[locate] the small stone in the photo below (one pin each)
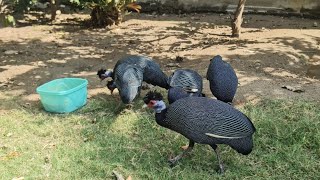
(37, 77)
(206, 42)
(173, 65)
(41, 64)
(195, 18)
(3, 85)
(58, 12)
(9, 134)
(11, 52)
(315, 24)
(21, 84)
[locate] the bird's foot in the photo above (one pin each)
(129, 106)
(172, 162)
(184, 147)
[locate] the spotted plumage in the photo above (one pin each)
(223, 79)
(152, 72)
(205, 121)
(184, 83)
(128, 79)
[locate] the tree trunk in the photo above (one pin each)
(54, 7)
(237, 21)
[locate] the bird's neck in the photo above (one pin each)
(108, 73)
(161, 117)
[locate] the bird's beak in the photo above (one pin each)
(144, 106)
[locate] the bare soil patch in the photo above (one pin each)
(272, 52)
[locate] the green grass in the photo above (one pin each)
(94, 141)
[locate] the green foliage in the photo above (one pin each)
(104, 12)
(109, 12)
(5, 18)
(99, 138)
(77, 2)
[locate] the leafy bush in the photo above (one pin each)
(5, 18)
(110, 12)
(103, 12)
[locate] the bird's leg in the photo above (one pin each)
(221, 168)
(129, 106)
(184, 147)
(174, 160)
(139, 92)
(118, 108)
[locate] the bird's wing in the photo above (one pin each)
(133, 76)
(154, 75)
(231, 125)
(185, 79)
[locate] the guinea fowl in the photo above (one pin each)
(152, 72)
(223, 80)
(205, 121)
(184, 83)
(128, 79)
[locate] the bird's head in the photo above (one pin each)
(103, 73)
(154, 100)
(111, 86)
(176, 93)
(216, 57)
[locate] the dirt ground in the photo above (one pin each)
(272, 52)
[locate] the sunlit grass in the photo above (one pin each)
(99, 138)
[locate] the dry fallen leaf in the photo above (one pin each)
(118, 175)
(10, 155)
(296, 89)
(18, 178)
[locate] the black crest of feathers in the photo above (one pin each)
(100, 72)
(110, 83)
(152, 95)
